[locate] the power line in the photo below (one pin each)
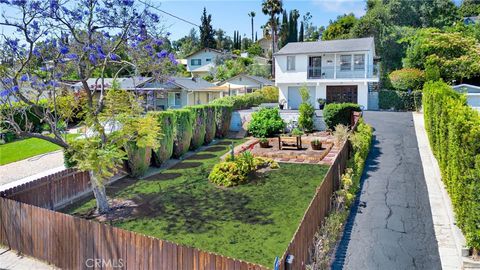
(170, 14)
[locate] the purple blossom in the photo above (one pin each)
(114, 57)
(64, 49)
(93, 58)
(72, 56)
(162, 54)
(128, 3)
(158, 42)
(15, 88)
(36, 52)
(171, 56)
(24, 78)
(4, 93)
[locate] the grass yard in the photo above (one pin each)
(253, 222)
(22, 149)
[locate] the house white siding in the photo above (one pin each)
(202, 61)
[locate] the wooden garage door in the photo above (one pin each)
(342, 93)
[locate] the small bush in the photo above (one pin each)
(166, 120)
(267, 94)
(199, 126)
(407, 79)
(400, 101)
(305, 120)
(340, 134)
(183, 131)
(67, 158)
(223, 116)
(210, 123)
(138, 159)
(266, 123)
(339, 113)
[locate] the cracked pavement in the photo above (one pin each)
(390, 226)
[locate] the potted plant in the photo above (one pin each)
(316, 144)
(321, 103)
(282, 103)
(264, 143)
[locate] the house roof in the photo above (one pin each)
(204, 49)
(469, 88)
(191, 83)
(258, 79)
(125, 83)
(328, 46)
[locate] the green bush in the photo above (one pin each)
(361, 141)
(454, 132)
(210, 123)
(407, 79)
(266, 123)
(67, 158)
(399, 100)
(223, 116)
(339, 113)
(183, 131)
(305, 120)
(138, 159)
(199, 126)
(267, 94)
(166, 120)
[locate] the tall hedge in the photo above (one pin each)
(199, 128)
(454, 132)
(138, 159)
(339, 113)
(210, 124)
(246, 101)
(183, 131)
(166, 120)
(223, 117)
(399, 100)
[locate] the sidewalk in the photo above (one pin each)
(33, 167)
(448, 235)
(9, 259)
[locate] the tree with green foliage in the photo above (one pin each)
(301, 33)
(438, 13)
(187, 44)
(306, 110)
(407, 79)
(340, 28)
(252, 14)
(207, 35)
(470, 8)
(272, 8)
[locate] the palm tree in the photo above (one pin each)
(272, 8)
(252, 14)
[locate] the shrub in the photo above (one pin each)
(361, 141)
(199, 127)
(267, 94)
(266, 123)
(454, 132)
(340, 134)
(400, 101)
(67, 158)
(339, 113)
(166, 120)
(305, 120)
(270, 93)
(210, 123)
(138, 159)
(183, 131)
(407, 79)
(223, 116)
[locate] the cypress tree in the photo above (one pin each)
(300, 35)
(207, 35)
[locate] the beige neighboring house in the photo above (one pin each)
(244, 83)
(266, 45)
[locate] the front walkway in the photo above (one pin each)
(391, 225)
(9, 259)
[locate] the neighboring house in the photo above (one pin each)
(336, 70)
(201, 62)
(266, 45)
(244, 83)
(471, 20)
(472, 92)
(176, 92)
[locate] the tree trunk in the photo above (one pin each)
(100, 194)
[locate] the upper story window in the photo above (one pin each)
(208, 60)
(196, 62)
(345, 62)
(359, 62)
(290, 62)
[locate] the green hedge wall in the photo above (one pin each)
(454, 132)
(199, 126)
(223, 116)
(249, 100)
(183, 131)
(138, 159)
(399, 100)
(339, 113)
(166, 120)
(210, 125)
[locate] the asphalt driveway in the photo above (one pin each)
(390, 226)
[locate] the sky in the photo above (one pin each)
(231, 15)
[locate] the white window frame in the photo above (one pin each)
(290, 62)
(193, 62)
(172, 98)
(361, 65)
(342, 63)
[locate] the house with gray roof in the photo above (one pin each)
(244, 83)
(161, 94)
(334, 70)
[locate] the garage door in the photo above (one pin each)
(342, 93)
(294, 98)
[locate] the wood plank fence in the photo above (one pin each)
(68, 242)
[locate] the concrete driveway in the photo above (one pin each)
(390, 226)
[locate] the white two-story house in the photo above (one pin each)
(335, 70)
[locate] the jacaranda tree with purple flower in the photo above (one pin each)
(86, 38)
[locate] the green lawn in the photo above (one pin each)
(254, 222)
(22, 149)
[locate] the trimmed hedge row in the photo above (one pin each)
(210, 124)
(199, 126)
(339, 113)
(183, 131)
(249, 100)
(454, 132)
(167, 122)
(399, 100)
(223, 116)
